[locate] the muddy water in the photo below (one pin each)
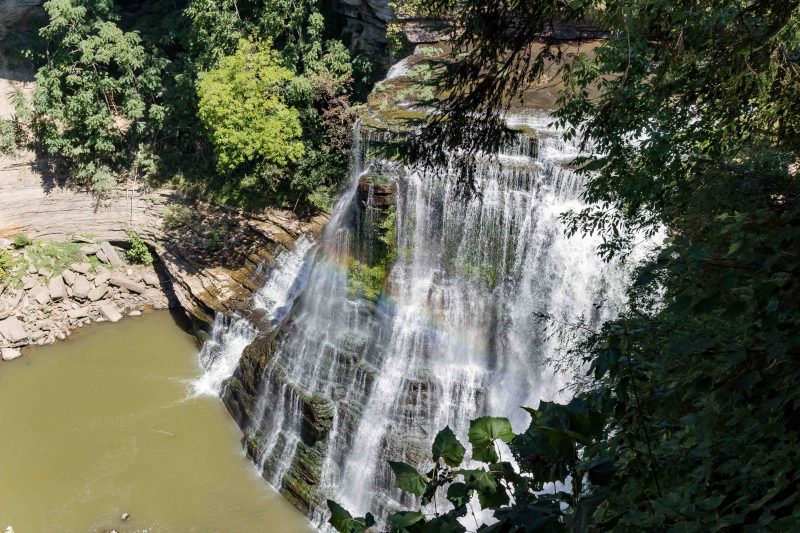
(103, 425)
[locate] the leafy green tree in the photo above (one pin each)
(96, 95)
(690, 109)
(243, 105)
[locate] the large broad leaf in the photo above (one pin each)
(447, 446)
(408, 479)
(459, 494)
(480, 480)
(443, 524)
(343, 522)
(482, 434)
(400, 521)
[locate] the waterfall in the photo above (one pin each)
(229, 336)
(355, 379)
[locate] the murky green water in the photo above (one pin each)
(102, 425)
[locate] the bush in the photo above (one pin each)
(177, 216)
(21, 240)
(5, 264)
(138, 252)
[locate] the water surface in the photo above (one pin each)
(102, 425)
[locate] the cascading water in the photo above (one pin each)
(354, 379)
(229, 337)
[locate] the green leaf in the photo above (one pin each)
(459, 494)
(408, 479)
(402, 520)
(480, 480)
(448, 447)
(482, 434)
(343, 522)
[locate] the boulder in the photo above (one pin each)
(12, 330)
(41, 294)
(90, 249)
(31, 269)
(28, 282)
(110, 312)
(81, 312)
(98, 292)
(56, 288)
(9, 354)
(151, 278)
(102, 278)
(5, 244)
(46, 273)
(81, 288)
(101, 255)
(82, 268)
(121, 281)
(68, 276)
(112, 257)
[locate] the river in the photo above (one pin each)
(105, 424)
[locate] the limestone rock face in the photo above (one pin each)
(365, 24)
(13, 12)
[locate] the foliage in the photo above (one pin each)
(54, 256)
(548, 454)
(119, 94)
(691, 111)
(178, 216)
(21, 240)
(6, 262)
(365, 281)
(242, 104)
(138, 252)
(95, 95)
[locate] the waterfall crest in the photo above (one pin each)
(420, 310)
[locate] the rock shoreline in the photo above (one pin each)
(39, 306)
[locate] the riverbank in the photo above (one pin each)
(52, 288)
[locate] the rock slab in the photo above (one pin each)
(12, 330)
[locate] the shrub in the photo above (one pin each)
(138, 252)
(21, 240)
(5, 264)
(177, 216)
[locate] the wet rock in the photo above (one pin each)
(110, 312)
(12, 330)
(120, 281)
(111, 255)
(151, 278)
(81, 288)
(56, 288)
(68, 276)
(98, 293)
(9, 354)
(124, 516)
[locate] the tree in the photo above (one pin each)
(243, 105)
(96, 95)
